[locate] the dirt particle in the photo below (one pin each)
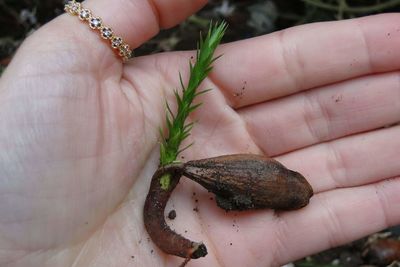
(132, 257)
(196, 200)
(185, 231)
(151, 251)
(241, 91)
(211, 198)
(196, 209)
(230, 244)
(172, 215)
(338, 98)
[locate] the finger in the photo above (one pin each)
(324, 114)
(69, 41)
(337, 217)
(350, 161)
(138, 20)
(307, 56)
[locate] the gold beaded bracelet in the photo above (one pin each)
(76, 9)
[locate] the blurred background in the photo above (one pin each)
(20, 18)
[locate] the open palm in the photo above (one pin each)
(79, 139)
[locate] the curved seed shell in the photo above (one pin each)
(153, 215)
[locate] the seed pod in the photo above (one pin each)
(240, 182)
(245, 181)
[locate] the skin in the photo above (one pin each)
(78, 137)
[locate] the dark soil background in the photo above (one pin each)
(19, 18)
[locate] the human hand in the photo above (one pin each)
(79, 137)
